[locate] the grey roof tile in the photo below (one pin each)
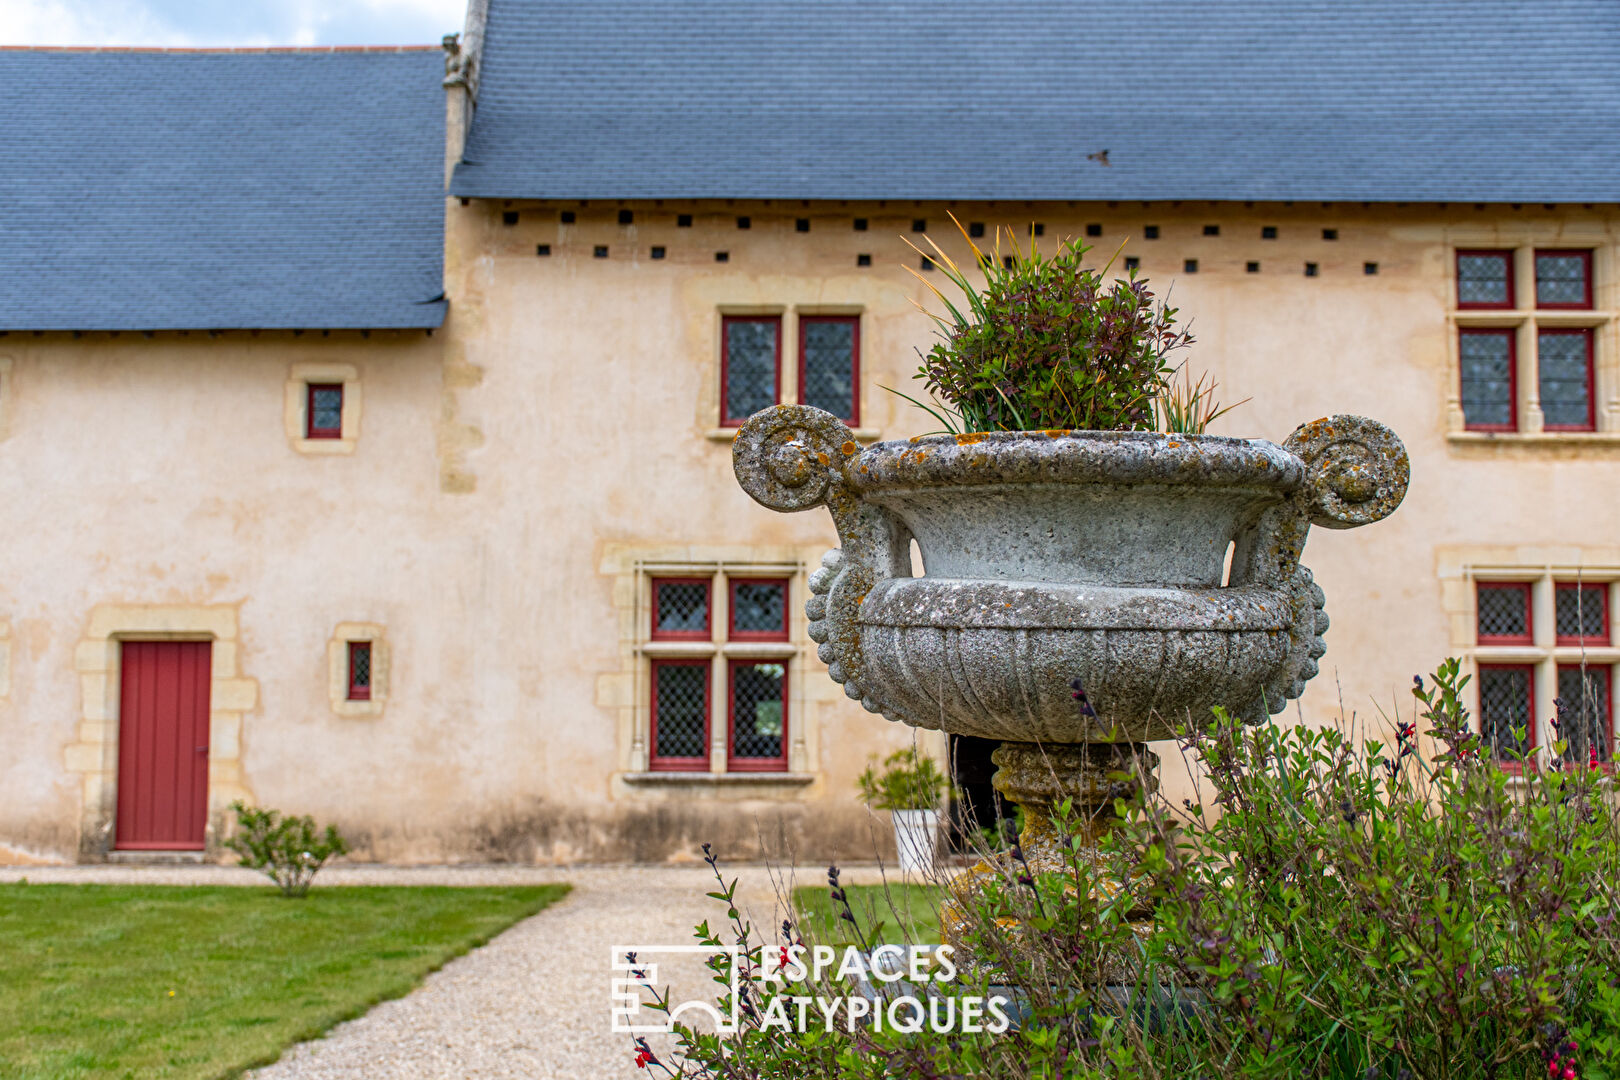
(1379, 100)
(156, 189)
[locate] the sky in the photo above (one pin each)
(202, 23)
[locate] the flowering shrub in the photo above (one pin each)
(1362, 908)
(288, 849)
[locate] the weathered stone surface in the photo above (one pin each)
(1051, 556)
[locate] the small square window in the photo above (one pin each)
(1565, 371)
(919, 225)
(683, 221)
(863, 260)
(1094, 229)
(679, 740)
(1132, 263)
(926, 262)
(722, 256)
(1268, 232)
(510, 217)
(745, 222)
(627, 217)
(1330, 234)
(1369, 269)
(1489, 379)
(1251, 268)
(1212, 230)
(323, 417)
(680, 609)
(1504, 612)
(359, 671)
(975, 229)
(1581, 613)
(566, 217)
(750, 366)
(1040, 229)
(658, 253)
(757, 736)
(1190, 266)
(542, 249)
(1507, 711)
(860, 224)
(1586, 713)
(802, 224)
(600, 251)
(1485, 279)
(1150, 232)
(759, 609)
(1310, 269)
(1564, 279)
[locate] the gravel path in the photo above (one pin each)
(534, 1002)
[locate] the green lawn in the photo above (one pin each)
(909, 913)
(164, 981)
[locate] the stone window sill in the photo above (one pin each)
(784, 650)
(1543, 438)
(729, 434)
(713, 779)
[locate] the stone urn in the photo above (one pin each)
(1052, 559)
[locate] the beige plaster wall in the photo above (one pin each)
(513, 469)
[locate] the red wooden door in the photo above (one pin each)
(163, 745)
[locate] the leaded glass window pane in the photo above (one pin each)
(1581, 612)
(1561, 279)
(1564, 360)
(683, 607)
(1487, 377)
(1504, 611)
(1504, 710)
(1482, 278)
(1583, 712)
(682, 692)
(325, 409)
(751, 352)
(829, 366)
(759, 607)
(360, 664)
(757, 721)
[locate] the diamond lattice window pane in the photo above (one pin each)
(1581, 612)
(1564, 359)
(1504, 611)
(759, 607)
(829, 366)
(1483, 278)
(1504, 710)
(360, 664)
(325, 408)
(683, 710)
(683, 607)
(1583, 712)
(1487, 377)
(756, 701)
(1561, 279)
(750, 366)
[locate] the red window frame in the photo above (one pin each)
(1529, 713)
(853, 420)
(1506, 253)
(1513, 376)
(753, 764)
(734, 634)
(678, 764)
(708, 610)
(1602, 590)
(726, 321)
(310, 430)
(1608, 765)
(1591, 375)
(1528, 637)
(361, 691)
(1585, 255)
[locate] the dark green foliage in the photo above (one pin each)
(1345, 907)
(909, 780)
(1048, 343)
(289, 850)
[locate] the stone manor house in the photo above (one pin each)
(365, 414)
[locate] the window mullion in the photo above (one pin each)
(719, 688)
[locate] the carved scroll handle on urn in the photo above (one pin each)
(794, 457)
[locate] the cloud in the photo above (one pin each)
(198, 23)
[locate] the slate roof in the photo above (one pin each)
(1379, 100)
(156, 189)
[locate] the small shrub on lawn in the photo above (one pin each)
(289, 850)
(1359, 908)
